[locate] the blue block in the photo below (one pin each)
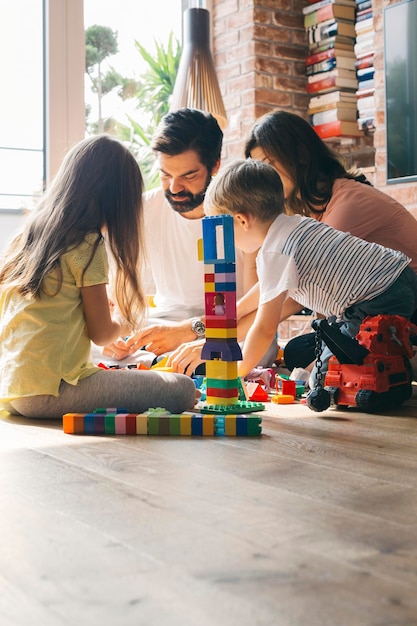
(89, 420)
(211, 224)
(241, 425)
(197, 425)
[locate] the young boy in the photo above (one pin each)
(303, 261)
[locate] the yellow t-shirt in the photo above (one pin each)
(44, 340)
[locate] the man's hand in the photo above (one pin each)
(187, 357)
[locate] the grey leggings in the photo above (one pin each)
(136, 391)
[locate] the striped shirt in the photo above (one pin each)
(323, 269)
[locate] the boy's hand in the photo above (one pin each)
(187, 357)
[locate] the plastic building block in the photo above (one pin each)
(280, 398)
(161, 423)
(241, 406)
(256, 392)
(286, 387)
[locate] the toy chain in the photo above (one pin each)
(318, 399)
(318, 352)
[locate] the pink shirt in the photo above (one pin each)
(372, 215)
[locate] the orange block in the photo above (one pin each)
(281, 398)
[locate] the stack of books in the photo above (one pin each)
(330, 67)
(365, 53)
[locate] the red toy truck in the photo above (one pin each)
(371, 372)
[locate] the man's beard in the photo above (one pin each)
(184, 202)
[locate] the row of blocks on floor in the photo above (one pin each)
(162, 424)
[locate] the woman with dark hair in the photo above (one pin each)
(317, 184)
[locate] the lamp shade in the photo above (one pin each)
(196, 85)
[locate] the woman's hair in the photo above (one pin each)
(189, 129)
(246, 186)
(311, 164)
(99, 186)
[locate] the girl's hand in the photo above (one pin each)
(187, 357)
(117, 350)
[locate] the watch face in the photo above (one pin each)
(199, 328)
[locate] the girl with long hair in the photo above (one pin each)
(53, 293)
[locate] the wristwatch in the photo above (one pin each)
(198, 327)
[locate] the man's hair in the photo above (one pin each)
(250, 187)
(189, 129)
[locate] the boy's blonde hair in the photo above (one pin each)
(246, 186)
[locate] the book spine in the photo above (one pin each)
(366, 73)
(364, 15)
(314, 6)
(364, 47)
(363, 93)
(321, 85)
(321, 76)
(336, 42)
(320, 15)
(368, 102)
(362, 6)
(324, 66)
(331, 129)
(366, 61)
(324, 117)
(327, 84)
(366, 84)
(321, 56)
(333, 97)
(321, 31)
(337, 129)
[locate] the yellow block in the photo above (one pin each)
(230, 425)
(208, 425)
(141, 424)
(185, 425)
(222, 370)
(224, 333)
(221, 401)
(200, 250)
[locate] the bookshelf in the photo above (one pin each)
(333, 73)
(365, 54)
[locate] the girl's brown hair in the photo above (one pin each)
(99, 186)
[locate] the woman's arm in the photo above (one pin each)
(101, 328)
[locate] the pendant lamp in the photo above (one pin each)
(196, 85)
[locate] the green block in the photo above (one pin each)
(253, 425)
(153, 425)
(109, 424)
(175, 425)
(215, 383)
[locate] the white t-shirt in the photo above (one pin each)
(174, 275)
(323, 269)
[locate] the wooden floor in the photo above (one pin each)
(313, 524)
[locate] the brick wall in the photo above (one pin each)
(259, 50)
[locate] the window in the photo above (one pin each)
(22, 169)
(400, 27)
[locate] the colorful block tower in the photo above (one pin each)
(221, 350)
